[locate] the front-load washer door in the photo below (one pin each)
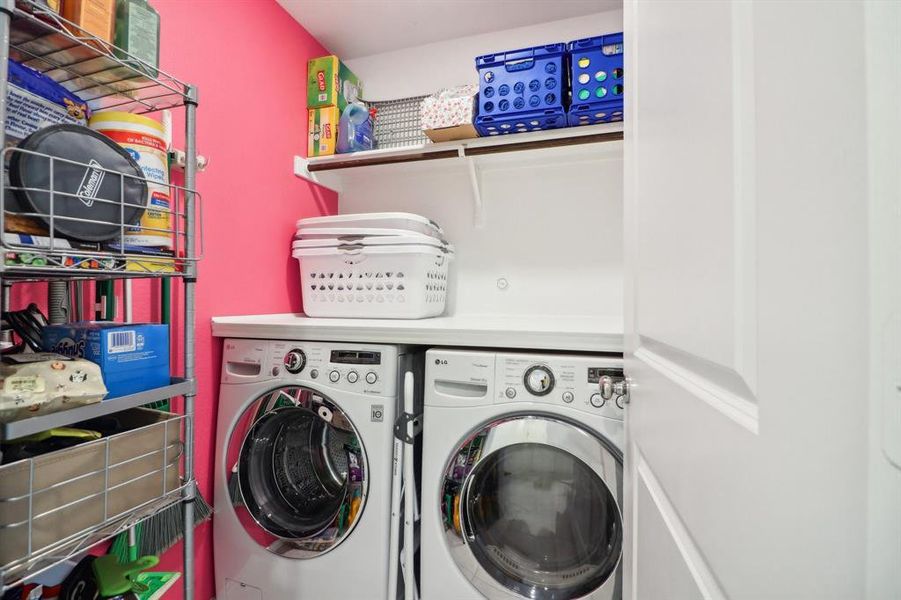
(298, 472)
(531, 509)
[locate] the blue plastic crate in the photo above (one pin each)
(522, 90)
(597, 78)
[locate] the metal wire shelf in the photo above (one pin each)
(38, 250)
(131, 465)
(64, 551)
(64, 418)
(101, 74)
(105, 77)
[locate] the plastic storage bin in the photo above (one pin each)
(522, 90)
(390, 220)
(374, 281)
(596, 68)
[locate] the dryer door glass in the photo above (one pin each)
(537, 507)
(298, 480)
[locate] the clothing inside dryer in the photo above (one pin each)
(543, 523)
(300, 467)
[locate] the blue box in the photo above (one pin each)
(522, 90)
(132, 357)
(597, 77)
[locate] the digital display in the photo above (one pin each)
(595, 374)
(356, 357)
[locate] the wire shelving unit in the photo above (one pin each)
(107, 78)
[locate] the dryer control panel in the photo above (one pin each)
(566, 380)
(360, 368)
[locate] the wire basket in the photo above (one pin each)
(55, 505)
(30, 243)
(397, 123)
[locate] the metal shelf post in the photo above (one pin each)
(189, 317)
(7, 7)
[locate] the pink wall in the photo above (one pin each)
(248, 60)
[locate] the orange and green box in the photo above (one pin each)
(322, 131)
(331, 83)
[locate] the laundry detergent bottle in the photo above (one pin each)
(355, 129)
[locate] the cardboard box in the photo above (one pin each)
(96, 17)
(331, 83)
(322, 131)
(449, 114)
(132, 357)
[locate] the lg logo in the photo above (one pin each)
(439, 362)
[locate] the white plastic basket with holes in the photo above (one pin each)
(374, 281)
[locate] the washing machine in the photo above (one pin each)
(522, 477)
(303, 469)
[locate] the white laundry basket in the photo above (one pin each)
(360, 281)
(389, 220)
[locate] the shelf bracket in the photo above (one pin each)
(475, 181)
(301, 170)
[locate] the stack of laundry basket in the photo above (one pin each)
(372, 265)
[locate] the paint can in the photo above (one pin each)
(144, 138)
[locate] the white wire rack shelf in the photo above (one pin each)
(39, 251)
(57, 505)
(104, 76)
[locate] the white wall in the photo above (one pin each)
(883, 34)
(426, 69)
(552, 227)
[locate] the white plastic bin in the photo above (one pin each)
(407, 239)
(360, 281)
(388, 220)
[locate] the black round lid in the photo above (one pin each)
(87, 182)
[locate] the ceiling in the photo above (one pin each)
(354, 28)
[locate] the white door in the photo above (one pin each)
(747, 303)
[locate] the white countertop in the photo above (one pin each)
(538, 332)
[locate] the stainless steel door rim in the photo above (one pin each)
(530, 507)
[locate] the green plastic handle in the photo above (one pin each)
(114, 578)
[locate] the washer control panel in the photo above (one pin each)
(364, 369)
(565, 380)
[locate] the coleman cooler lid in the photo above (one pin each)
(91, 177)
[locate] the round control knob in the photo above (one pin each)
(334, 376)
(597, 400)
(353, 377)
(295, 361)
(371, 377)
(314, 373)
(539, 380)
(510, 393)
(567, 397)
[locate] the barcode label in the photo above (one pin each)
(120, 341)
